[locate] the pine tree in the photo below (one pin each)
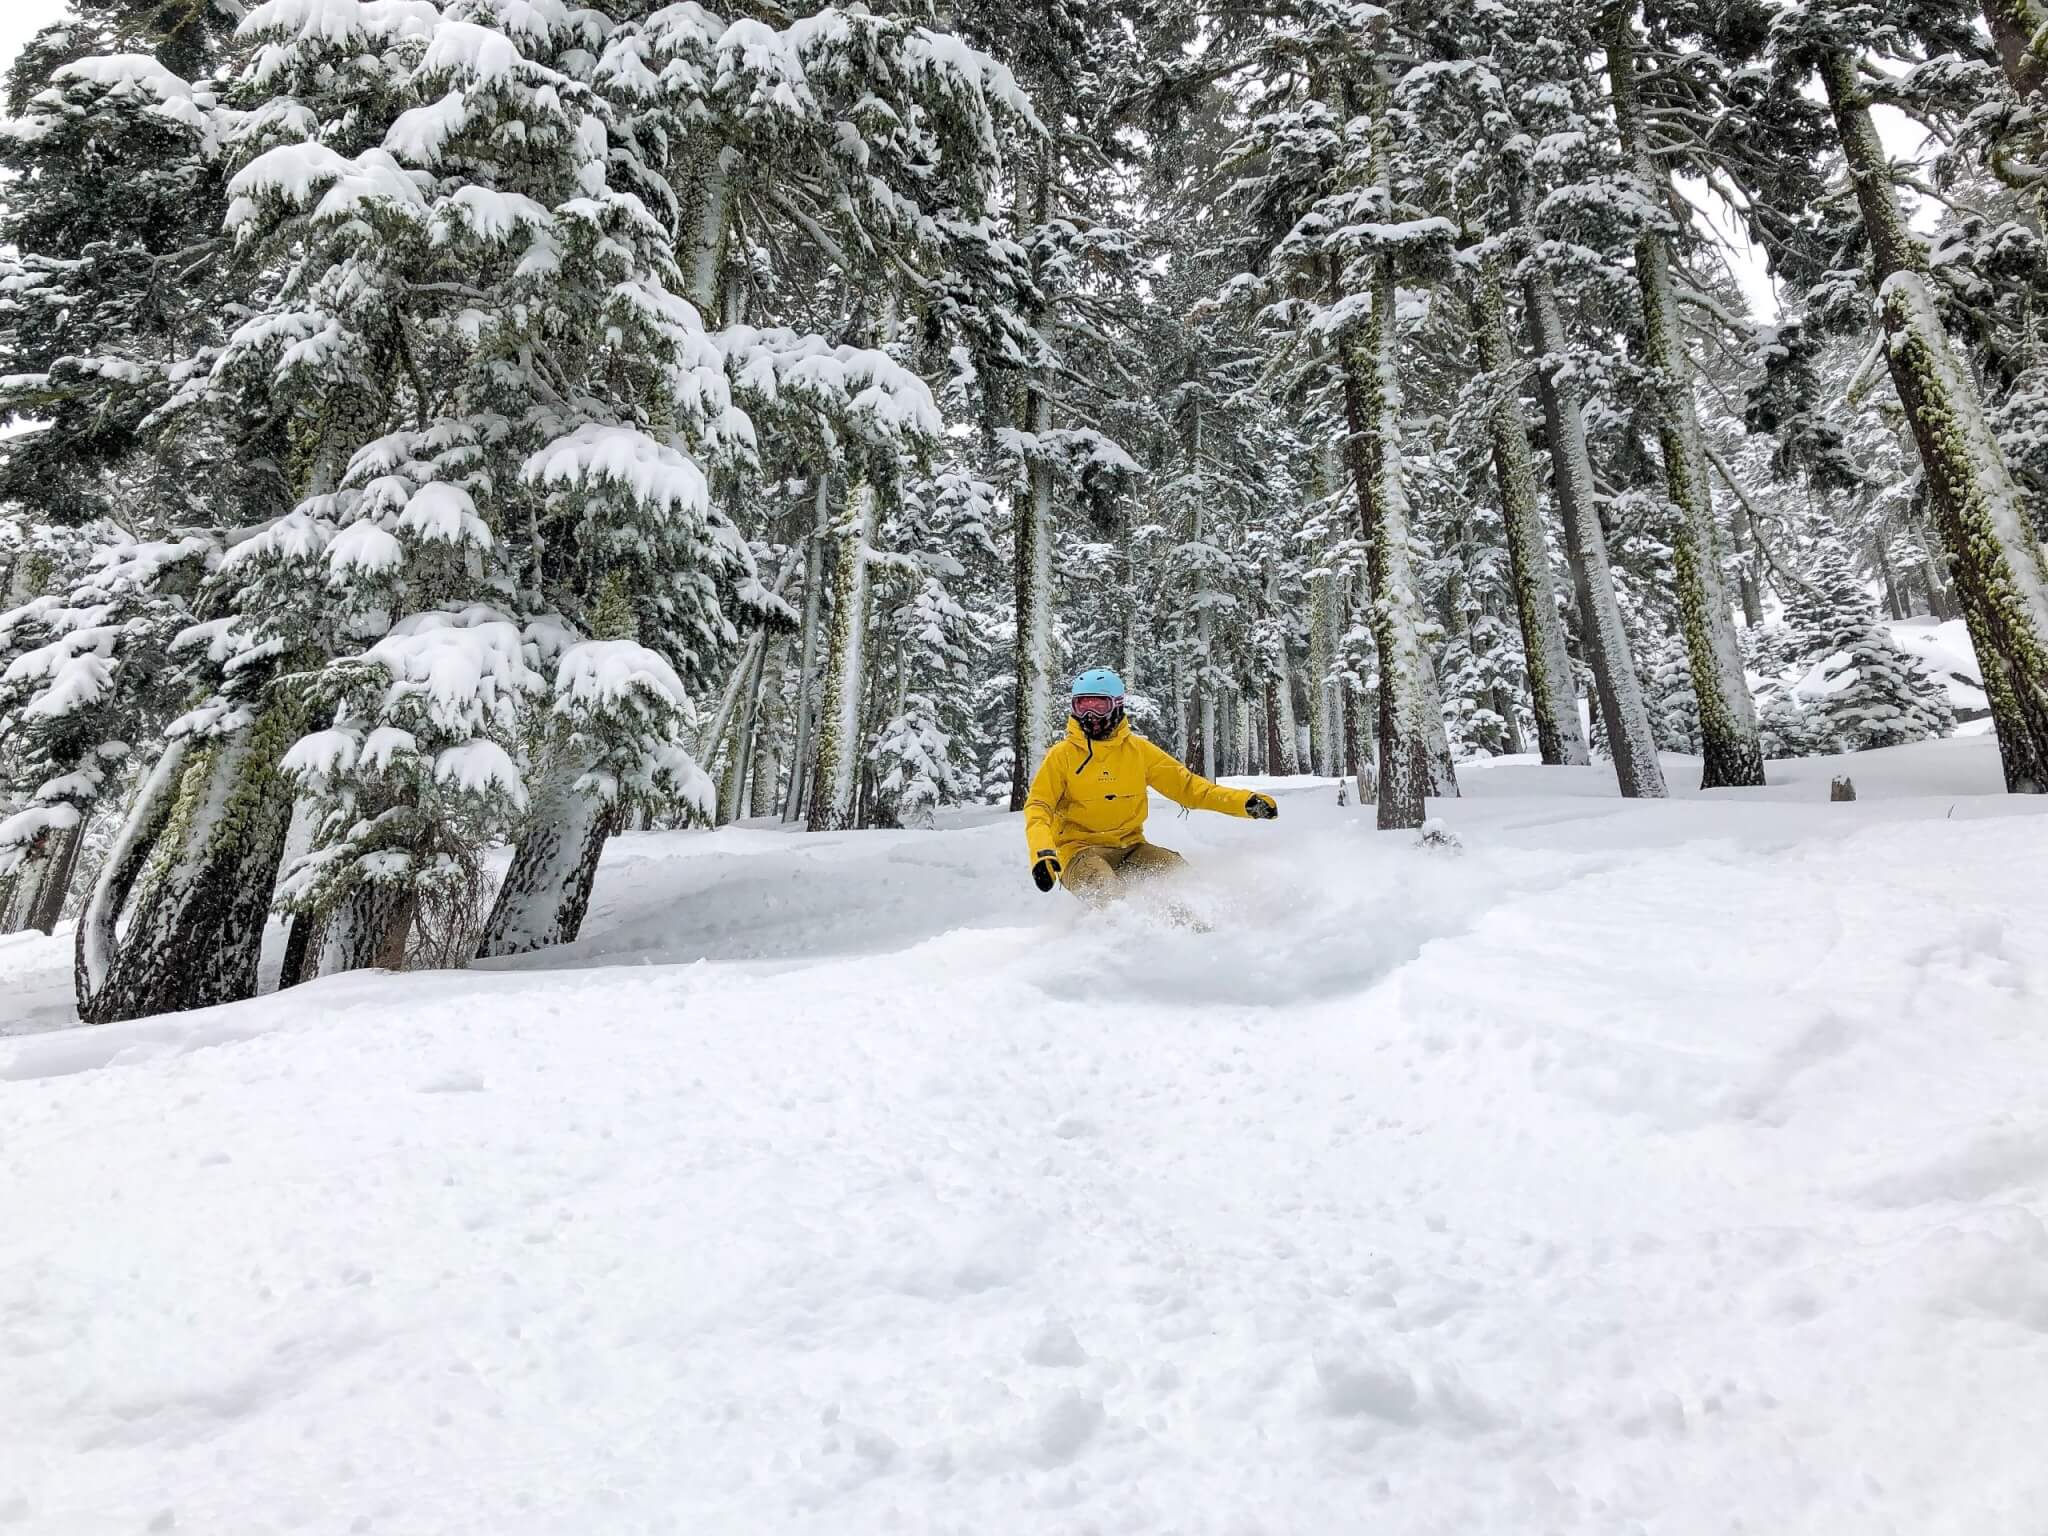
(1862, 689)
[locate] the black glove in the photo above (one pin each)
(1046, 872)
(1259, 808)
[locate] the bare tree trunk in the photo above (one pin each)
(807, 654)
(1745, 564)
(367, 927)
(1603, 634)
(301, 951)
(1033, 730)
(1409, 768)
(53, 887)
(1892, 603)
(547, 887)
(1551, 688)
(833, 801)
(767, 754)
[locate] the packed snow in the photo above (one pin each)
(1669, 1166)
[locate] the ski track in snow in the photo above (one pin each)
(1669, 1167)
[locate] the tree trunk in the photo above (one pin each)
(1604, 636)
(1372, 404)
(2019, 30)
(1552, 692)
(1892, 603)
(833, 799)
(547, 887)
(45, 908)
(1032, 729)
(367, 927)
(740, 762)
(199, 855)
(1325, 729)
(1733, 754)
(807, 654)
(1995, 559)
(1745, 564)
(1289, 761)
(767, 767)
(708, 202)
(301, 950)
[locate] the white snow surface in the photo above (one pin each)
(1673, 1167)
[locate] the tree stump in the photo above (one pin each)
(1843, 788)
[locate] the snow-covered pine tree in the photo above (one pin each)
(1860, 689)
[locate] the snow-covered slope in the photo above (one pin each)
(1669, 1166)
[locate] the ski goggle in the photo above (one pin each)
(1096, 707)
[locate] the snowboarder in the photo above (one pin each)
(1085, 820)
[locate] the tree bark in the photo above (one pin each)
(1745, 560)
(1995, 559)
(199, 856)
(833, 799)
(1553, 693)
(547, 887)
(1733, 753)
(367, 927)
(1032, 731)
(53, 887)
(807, 653)
(301, 949)
(1372, 405)
(767, 756)
(1604, 636)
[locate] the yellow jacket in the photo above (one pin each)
(1091, 794)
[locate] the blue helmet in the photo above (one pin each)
(1098, 680)
(1104, 691)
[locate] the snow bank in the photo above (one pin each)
(1670, 1166)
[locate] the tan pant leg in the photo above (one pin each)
(1091, 874)
(1148, 861)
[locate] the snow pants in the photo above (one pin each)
(1094, 874)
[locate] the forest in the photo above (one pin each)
(451, 433)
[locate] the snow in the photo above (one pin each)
(363, 548)
(481, 768)
(603, 674)
(649, 472)
(1676, 1166)
(460, 671)
(1944, 652)
(444, 514)
(464, 48)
